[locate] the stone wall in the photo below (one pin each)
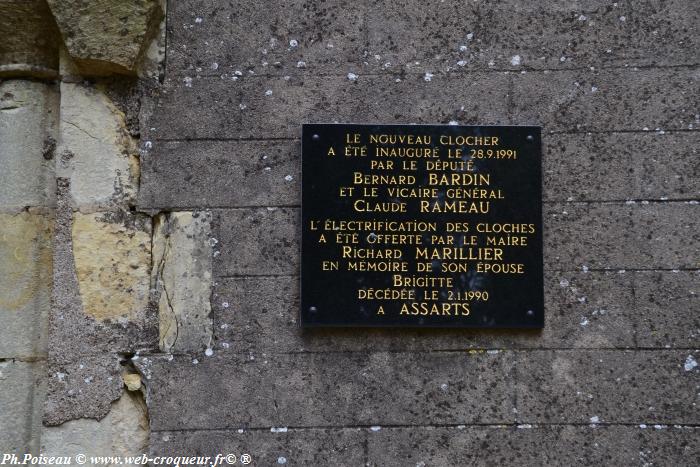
(149, 253)
(75, 292)
(609, 381)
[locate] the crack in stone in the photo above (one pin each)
(81, 129)
(159, 278)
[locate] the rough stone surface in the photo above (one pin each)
(650, 165)
(84, 353)
(73, 332)
(221, 173)
(265, 241)
(375, 37)
(182, 264)
(28, 116)
(357, 388)
(96, 150)
(608, 99)
(112, 254)
(622, 235)
(438, 446)
(107, 36)
(667, 303)
(532, 445)
(606, 387)
(29, 47)
(22, 389)
(81, 388)
(123, 432)
(623, 99)
(25, 283)
(282, 447)
(243, 109)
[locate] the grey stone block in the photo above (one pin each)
(607, 99)
(283, 447)
(273, 38)
(622, 236)
(621, 166)
(221, 174)
(503, 446)
(669, 446)
(275, 107)
(667, 303)
(462, 35)
(259, 390)
(256, 241)
(606, 386)
(22, 392)
(442, 446)
(532, 445)
(581, 310)
(376, 37)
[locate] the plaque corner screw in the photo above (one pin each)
(529, 137)
(315, 137)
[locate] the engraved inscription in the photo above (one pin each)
(421, 225)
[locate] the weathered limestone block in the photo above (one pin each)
(25, 283)
(30, 39)
(123, 432)
(107, 36)
(112, 253)
(22, 389)
(182, 271)
(28, 114)
(99, 307)
(132, 381)
(96, 150)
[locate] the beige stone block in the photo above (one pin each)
(132, 381)
(123, 432)
(112, 253)
(25, 283)
(182, 271)
(97, 152)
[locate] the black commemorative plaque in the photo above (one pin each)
(421, 226)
